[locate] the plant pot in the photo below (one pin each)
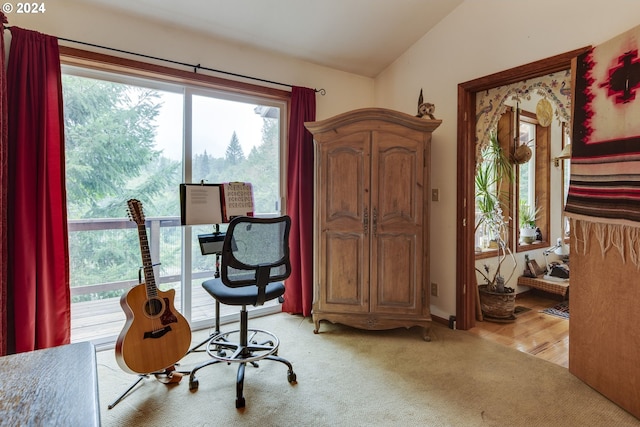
(528, 235)
(496, 305)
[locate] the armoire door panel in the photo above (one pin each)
(399, 183)
(345, 177)
(345, 277)
(397, 274)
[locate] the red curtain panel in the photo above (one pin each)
(38, 292)
(299, 287)
(3, 194)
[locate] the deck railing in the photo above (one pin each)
(96, 314)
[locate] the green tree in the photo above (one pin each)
(110, 158)
(234, 154)
(262, 171)
(109, 146)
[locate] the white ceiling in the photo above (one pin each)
(357, 36)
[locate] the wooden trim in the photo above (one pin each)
(100, 61)
(465, 211)
(528, 71)
(465, 259)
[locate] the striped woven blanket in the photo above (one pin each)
(605, 161)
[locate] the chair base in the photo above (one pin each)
(252, 345)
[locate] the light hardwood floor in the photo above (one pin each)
(533, 332)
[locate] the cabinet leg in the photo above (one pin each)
(426, 333)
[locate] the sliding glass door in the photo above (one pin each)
(132, 138)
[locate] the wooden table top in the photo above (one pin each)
(51, 387)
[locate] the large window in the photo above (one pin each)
(131, 137)
(532, 183)
(520, 189)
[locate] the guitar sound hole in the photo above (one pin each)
(153, 307)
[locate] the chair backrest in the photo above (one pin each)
(256, 251)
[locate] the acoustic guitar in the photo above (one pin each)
(155, 335)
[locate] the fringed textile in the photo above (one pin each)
(605, 160)
(603, 200)
(624, 239)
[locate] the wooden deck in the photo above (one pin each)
(101, 321)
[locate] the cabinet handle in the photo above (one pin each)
(365, 220)
(375, 222)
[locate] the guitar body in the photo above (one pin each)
(155, 335)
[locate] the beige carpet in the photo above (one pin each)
(349, 377)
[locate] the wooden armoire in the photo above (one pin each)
(371, 222)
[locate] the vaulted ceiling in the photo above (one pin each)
(356, 36)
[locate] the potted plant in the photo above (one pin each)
(497, 301)
(527, 216)
(492, 172)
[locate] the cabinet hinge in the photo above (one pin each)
(464, 222)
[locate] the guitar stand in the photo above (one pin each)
(168, 376)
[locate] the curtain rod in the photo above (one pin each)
(184, 64)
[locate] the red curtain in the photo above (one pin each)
(4, 182)
(38, 293)
(299, 287)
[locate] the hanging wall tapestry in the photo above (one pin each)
(604, 191)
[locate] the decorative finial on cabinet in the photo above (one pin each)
(425, 109)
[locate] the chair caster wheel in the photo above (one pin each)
(240, 402)
(291, 377)
(193, 384)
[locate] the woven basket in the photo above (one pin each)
(496, 305)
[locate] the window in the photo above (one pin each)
(527, 191)
(566, 176)
(494, 188)
(133, 137)
(532, 183)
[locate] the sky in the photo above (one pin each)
(214, 121)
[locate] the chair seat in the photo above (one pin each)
(246, 295)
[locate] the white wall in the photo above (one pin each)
(77, 21)
(477, 39)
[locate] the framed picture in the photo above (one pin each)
(535, 268)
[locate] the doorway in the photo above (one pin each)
(465, 254)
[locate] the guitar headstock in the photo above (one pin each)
(135, 211)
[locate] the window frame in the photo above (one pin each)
(542, 183)
(91, 64)
(565, 165)
(507, 124)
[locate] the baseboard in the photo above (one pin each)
(440, 320)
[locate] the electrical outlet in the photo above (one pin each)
(435, 195)
(434, 289)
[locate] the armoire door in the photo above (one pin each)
(345, 220)
(397, 222)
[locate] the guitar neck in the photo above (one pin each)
(147, 264)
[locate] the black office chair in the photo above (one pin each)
(255, 261)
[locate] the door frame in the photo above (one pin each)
(466, 154)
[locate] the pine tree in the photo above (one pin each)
(234, 154)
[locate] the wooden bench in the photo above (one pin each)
(52, 387)
(552, 286)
